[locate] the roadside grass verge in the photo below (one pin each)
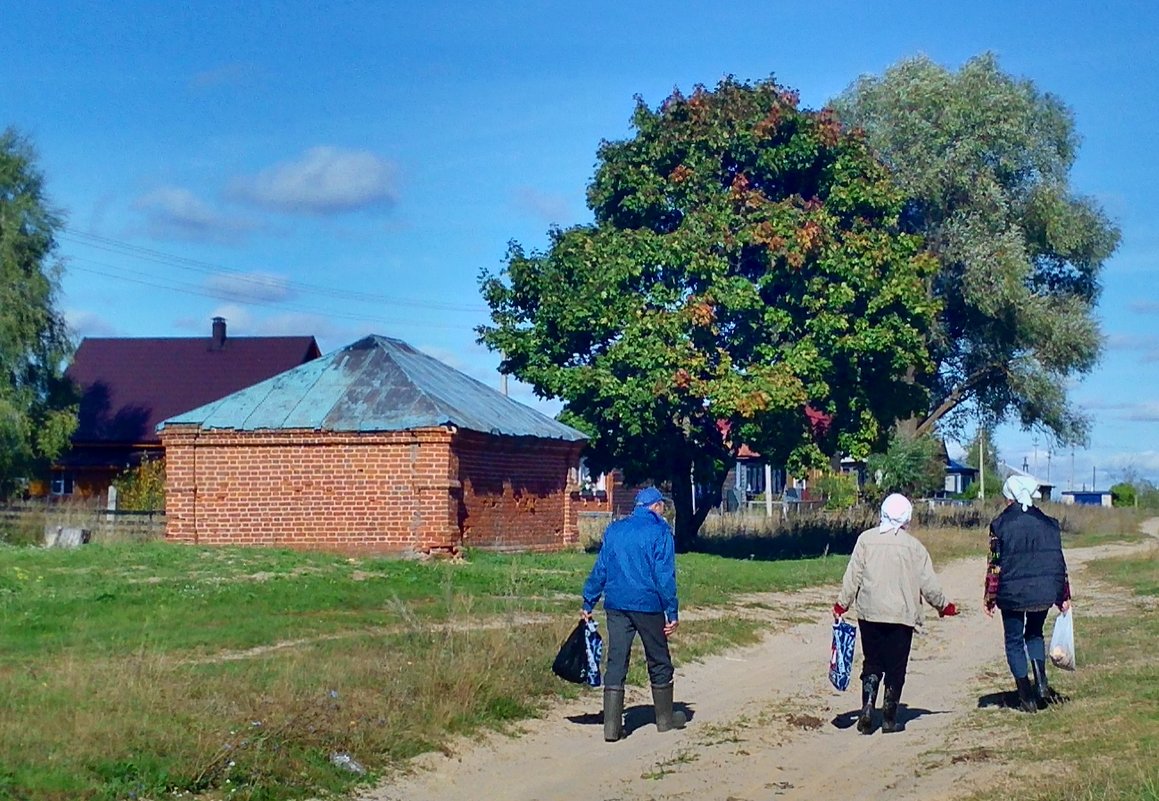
(150, 670)
(1104, 744)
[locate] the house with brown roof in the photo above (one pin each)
(127, 386)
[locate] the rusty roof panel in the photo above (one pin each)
(375, 384)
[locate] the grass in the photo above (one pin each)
(124, 669)
(149, 670)
(1104, 745)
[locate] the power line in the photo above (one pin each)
(192, 289)
(122, 248)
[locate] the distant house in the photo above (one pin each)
(128, 386)
(1045, 488)
(959, 477)
(1086, 497)
(373, 448)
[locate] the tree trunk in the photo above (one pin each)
(688, 520)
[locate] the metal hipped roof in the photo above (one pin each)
(374, 384)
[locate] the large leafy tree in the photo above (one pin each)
(744, 282)
(985, 160)
(36, 415)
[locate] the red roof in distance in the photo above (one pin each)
(128, 386)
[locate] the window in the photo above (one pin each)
(62, 483)
(588, 482)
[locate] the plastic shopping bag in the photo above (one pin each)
(1062, 641)
(841, 657)
(578, 660)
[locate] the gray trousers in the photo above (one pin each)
(622, 630)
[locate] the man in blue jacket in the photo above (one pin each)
(635, 572)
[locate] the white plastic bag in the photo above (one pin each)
(1062, 642)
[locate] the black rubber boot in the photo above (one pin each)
(1046, 694)
(869, 687)
(613, 713)
(889, 721)
(666, 719)
(1026, 698)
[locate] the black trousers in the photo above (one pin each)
(622, 630)
(886, 648)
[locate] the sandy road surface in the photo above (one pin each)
(765, 722)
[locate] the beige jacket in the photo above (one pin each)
(888, 574)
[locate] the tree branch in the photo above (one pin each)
(955, 398)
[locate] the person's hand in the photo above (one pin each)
(585, 614)
(989, 611)
(1064, 607)
(838, 610)
(670, 627)
(949, 610)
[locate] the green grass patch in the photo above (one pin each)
(156, 669)
(1104, 745)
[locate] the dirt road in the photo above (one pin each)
(765, 722)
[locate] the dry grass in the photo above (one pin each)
(147, 723)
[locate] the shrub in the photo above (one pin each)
(142, 488)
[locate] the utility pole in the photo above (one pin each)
(982, 464)
(503, 384)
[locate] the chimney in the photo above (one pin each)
(217, 341)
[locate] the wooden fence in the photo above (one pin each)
(28, 522)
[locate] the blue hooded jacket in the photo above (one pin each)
(636, 567)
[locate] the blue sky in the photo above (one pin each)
(338, 169)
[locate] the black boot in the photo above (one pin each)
(1046, 694)
(869, 687)
(889, 721)
(613, 713)
(666, 719)
(1026, 700)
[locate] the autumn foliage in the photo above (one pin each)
(745, 264)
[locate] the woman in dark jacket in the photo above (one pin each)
(1025, 577)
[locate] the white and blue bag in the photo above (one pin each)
(841, 658)
(578, 660)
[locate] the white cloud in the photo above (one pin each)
(175, 212)
(1145, 344)
(241, 287)
(323, 180)
(242, 321)
(547, 207)
(1144, 307)
(88, 324)
(294, 324)
(1142, 412)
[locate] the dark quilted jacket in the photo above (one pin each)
(1033, 570)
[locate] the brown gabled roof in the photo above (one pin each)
(128, 386)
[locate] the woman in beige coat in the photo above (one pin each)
(888, 574)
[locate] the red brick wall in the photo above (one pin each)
(516, 491)
(368, 492)
(308, 489)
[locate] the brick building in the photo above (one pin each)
(373, 448)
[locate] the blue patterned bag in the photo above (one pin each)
(595, 651)
(578, 660)
(841, 659)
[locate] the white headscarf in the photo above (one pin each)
(1022, 490)
(896, 511)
